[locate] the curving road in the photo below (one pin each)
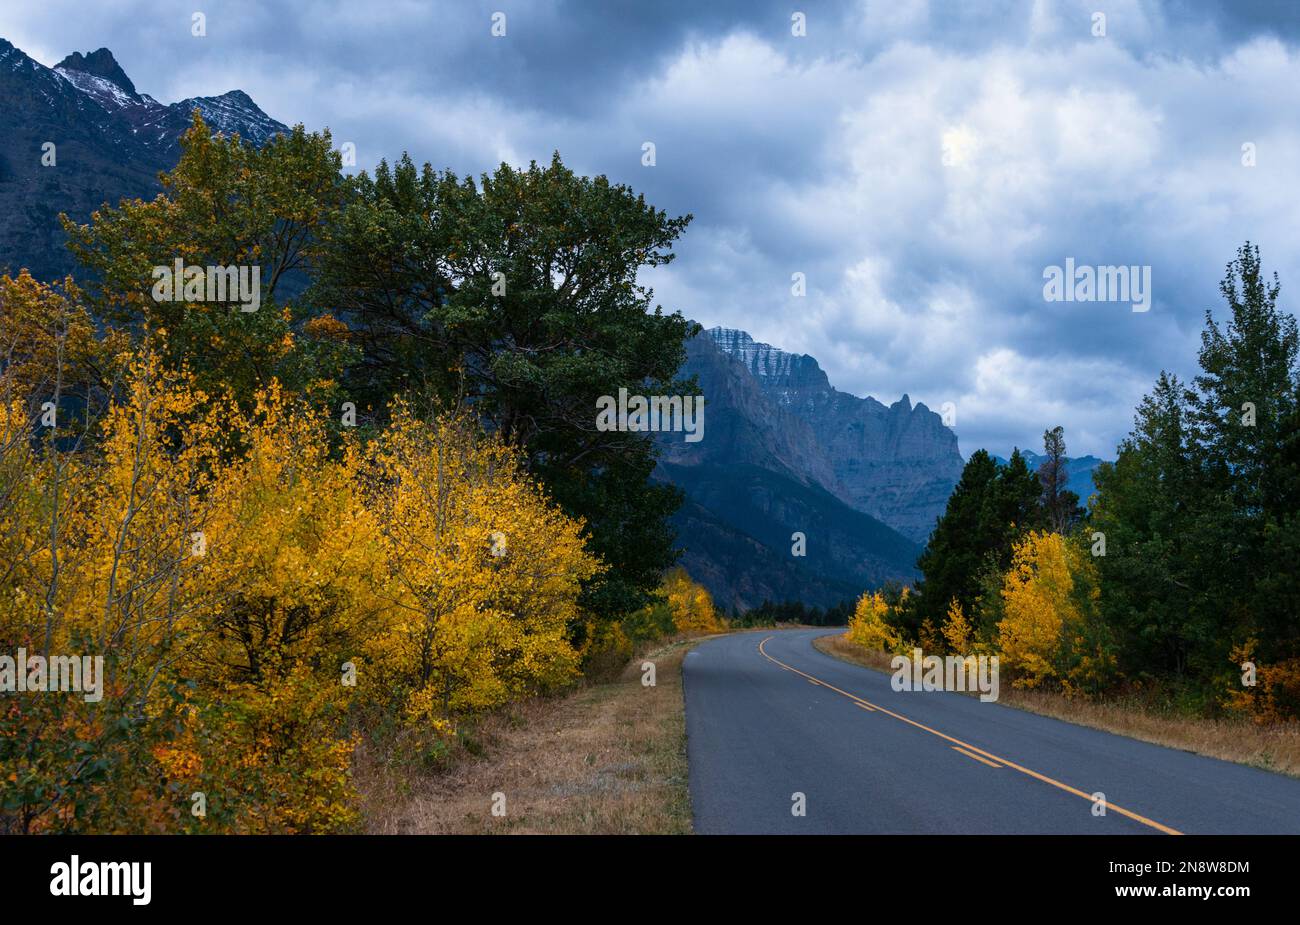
(769, 716)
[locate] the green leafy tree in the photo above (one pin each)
(517, 295)
(226, 204)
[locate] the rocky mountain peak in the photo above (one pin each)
(112, 142)
(233, 112)
(776, 370)
(896, 463)
(100, 63)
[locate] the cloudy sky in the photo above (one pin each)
(921, 163)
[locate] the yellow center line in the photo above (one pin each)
(976, 757)
(970, 748)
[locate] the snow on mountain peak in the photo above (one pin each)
(106, 92)
(101, 64)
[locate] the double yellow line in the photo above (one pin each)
(967, 749)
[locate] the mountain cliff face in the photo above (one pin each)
(897, 463)
(743, 426)
(755, 481)
(785, 452)
(109, 139)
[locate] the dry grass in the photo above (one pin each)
(1273, 748)
(608, 758)
(847, 651)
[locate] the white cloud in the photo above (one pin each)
(925, 277)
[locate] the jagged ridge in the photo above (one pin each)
(110, 141)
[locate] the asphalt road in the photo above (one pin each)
(768, 716)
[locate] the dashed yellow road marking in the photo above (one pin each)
(968, 747)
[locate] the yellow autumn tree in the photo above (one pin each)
(48, 347)
(869, 626)
(294, 566)
(690, 603)
(1050, 633)
(957, 631)
(247, 579)
(1275, 694)
(108, 577)
(483, 571)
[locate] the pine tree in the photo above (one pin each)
(1060, 505)
(1245, 415)
(988, 511)
(1157, 573)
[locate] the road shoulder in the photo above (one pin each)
(1269, 748)
(607, 758)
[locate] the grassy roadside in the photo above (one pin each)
(1272, 748)
(608, 758)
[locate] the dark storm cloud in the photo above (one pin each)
(920, 162)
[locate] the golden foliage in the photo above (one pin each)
(484, 574)
(691, 605)
(957, 631)
(248, 581)
(1275, 695)
(1050, 632)
(869, 626)
(46, 337)
(1036, 592)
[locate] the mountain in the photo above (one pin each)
(785, 452)
(1078, 471)
(110, 141)
(737, 528)
(897, 463)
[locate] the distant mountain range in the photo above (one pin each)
(109, 139)
(784, 452)
(1078, 470)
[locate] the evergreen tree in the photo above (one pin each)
(1014, 504)
(1199, 511)
(1157, 572)
(1061, 508)
(518, 296)
(990, 508)
(1245, 416)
